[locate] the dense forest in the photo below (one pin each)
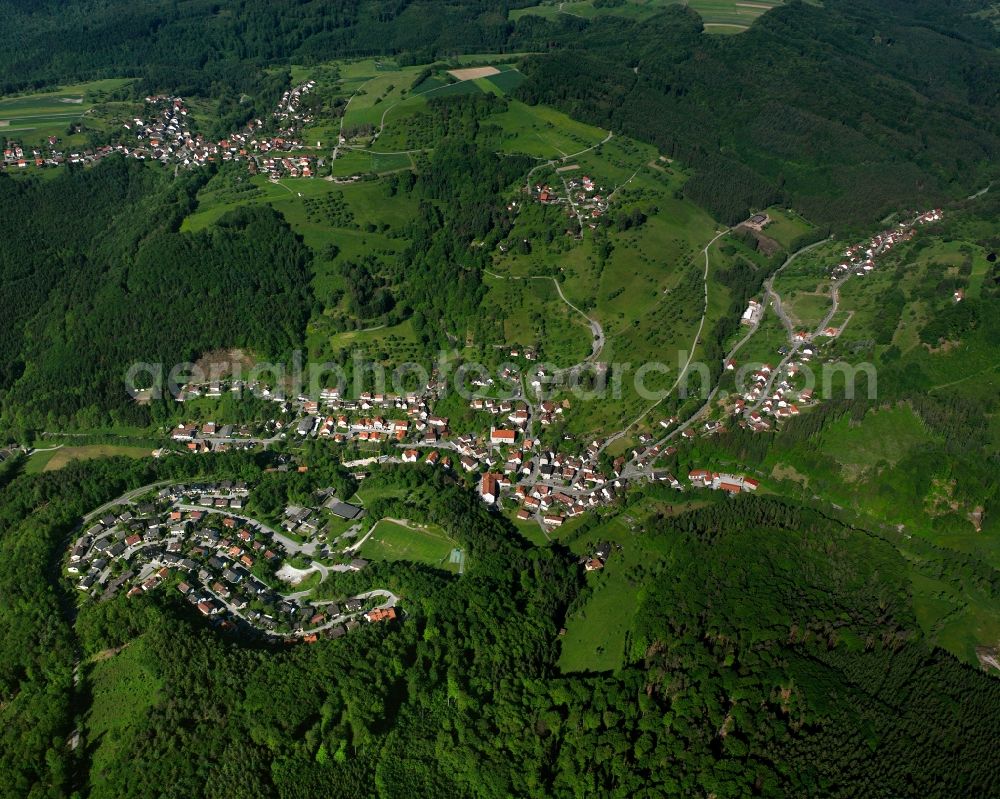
(74, 282)
(846, 109)
(205, 42)
(825, 688)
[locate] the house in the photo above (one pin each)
(380, 614)
(700, 477)
(410, 456)
(489, 488)
(502, 436)
(183, 432)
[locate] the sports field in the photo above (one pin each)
(396, 540)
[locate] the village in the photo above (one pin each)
(232, 569)
(775, 393)
(227, 566)
(583, 199)
(510, 466)
(164, 134)
(859, 259)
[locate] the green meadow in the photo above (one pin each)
(720, 16)
(32, 118)
(428, 544)
(597, 628)
(47, 460)
(123, 688)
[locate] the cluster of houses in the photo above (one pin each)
(165, 134)
(587, 198)
(859, 259)
(212, 437)
(17, 156)
(583, 196)
(372, 417)
(770, 394)
(220, 562)
(167, 137)
(546, 485)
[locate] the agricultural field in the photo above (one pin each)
(49, 460)
(32, 118)
(720, 16)
(730, 16)
(377, 86)
(378, 92)
(419, 543)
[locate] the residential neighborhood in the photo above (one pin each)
(230, 568)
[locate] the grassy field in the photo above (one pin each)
(428, 544)
(124, 687)
(50, 460)
(720, 16)
(32, 118)
(544, 132)
(596, 632)
(534, 316)
(786, 226)
(885, 435)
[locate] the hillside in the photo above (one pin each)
(845, 111)
(103, 271)
(792, 698)
(444, 398)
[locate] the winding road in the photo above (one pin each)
(596, 330)
(630, 469)
(687, 364)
